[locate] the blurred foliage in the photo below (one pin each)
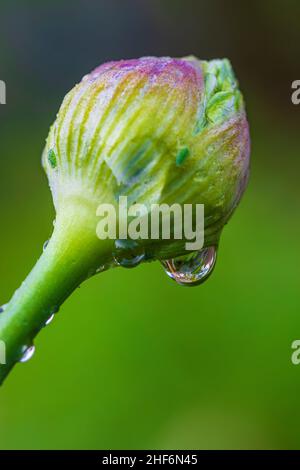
(132, 360)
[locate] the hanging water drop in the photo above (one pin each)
(52, 313)
(28, 353)
(193, 269)
(50, 319)
(3, 307)
(45, 245)
(129, 262)
(128, 253)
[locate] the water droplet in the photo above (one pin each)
(50, 319)
(3, 307)
(128, 253)
(45, 245)
(193, 269)
(52, 313)
(125, 245)
(129, 262)
(27, 354)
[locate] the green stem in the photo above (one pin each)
(72, 255)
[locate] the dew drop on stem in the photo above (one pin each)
(50, 319)
(128, 253)
(45, 245)
(129, 262)
(2, 308)
(28, 353)
(52, 313)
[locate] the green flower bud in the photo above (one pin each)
(157, 130)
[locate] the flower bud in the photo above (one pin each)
(157, 130)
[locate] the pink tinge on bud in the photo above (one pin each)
(243, 157)
(172, 72)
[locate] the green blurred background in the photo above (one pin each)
(133, 360)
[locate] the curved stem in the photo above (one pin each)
(72, 255)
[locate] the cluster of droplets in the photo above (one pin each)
(193, 269)
(189, 270)
(28, 351)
